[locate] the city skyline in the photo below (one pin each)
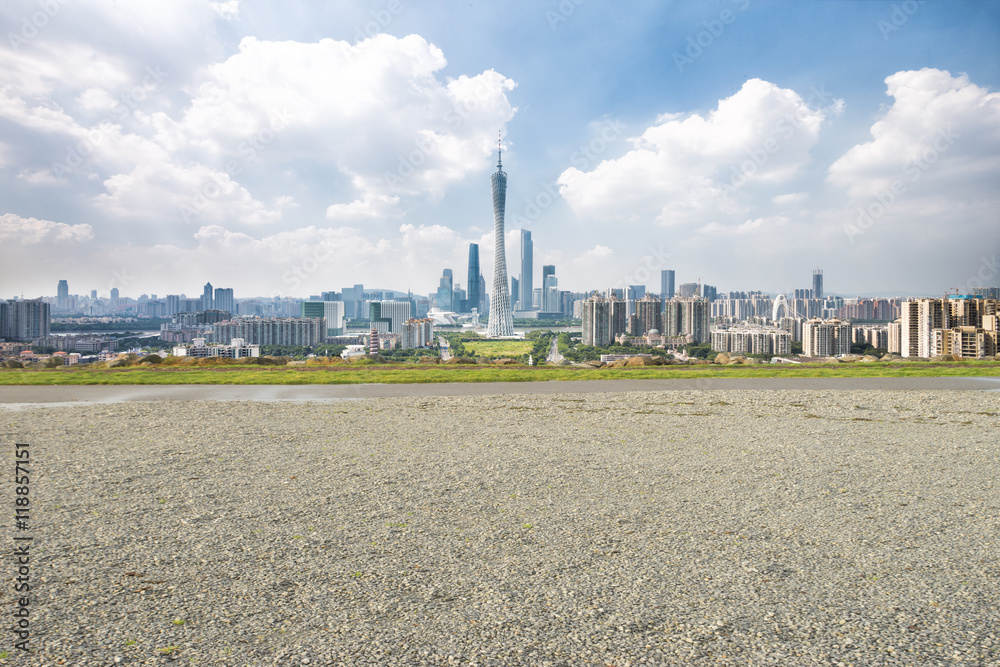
(299, 152)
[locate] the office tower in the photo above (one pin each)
(445, 291)
(389, 316)
(482, 293)
(352, 297)
(472, 298)
(93, 294)
(527, 266)
(224, 299)
(331, 311)
(62, 295)
(501, 318)
(688, 290)
(817, 290)
(547, 270)
(515, 288)
(666, 284)
(207, 301)
(114, 294)
(709, 292)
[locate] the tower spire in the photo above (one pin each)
(499, 163)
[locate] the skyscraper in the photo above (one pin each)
(527, 266)
(817, 284)
(207, 301)
(666, 284)
(62, 295)
(472, 299)
(501, 318)
(445, 291)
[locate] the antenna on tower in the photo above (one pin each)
(498, 148)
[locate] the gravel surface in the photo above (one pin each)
(680, 527)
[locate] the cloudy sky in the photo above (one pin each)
(294, 148)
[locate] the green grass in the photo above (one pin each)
(410, 373)
(498, 348)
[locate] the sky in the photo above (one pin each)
(286, 150)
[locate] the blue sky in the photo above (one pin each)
(288, 150)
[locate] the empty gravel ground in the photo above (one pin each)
(681, 527)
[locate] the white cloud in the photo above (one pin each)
(939, 126)
(790, 198)
(375, 109)
(373, 206)
(684, 168)
(30, 231)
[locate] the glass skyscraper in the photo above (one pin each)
(527, 261)
(472, 299)
(501, 318)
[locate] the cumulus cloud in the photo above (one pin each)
(686, 167)
(32, 231)
(374, 206)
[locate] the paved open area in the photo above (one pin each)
(683, 526)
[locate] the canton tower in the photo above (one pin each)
(501, 319)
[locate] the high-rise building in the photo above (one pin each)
(696, 319)
(501, 321)
(515, 288)
(445, 291)
(527, 266)
(826, 338)
(666, 284)
(207, 301)
(62, 295)
(224, 300)
(389, 316)
(331, 311)
(688, 290)
(604, 318)
(817, 290)
(24, 319)
(648, 311)
(472, 298)
(547, 270)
